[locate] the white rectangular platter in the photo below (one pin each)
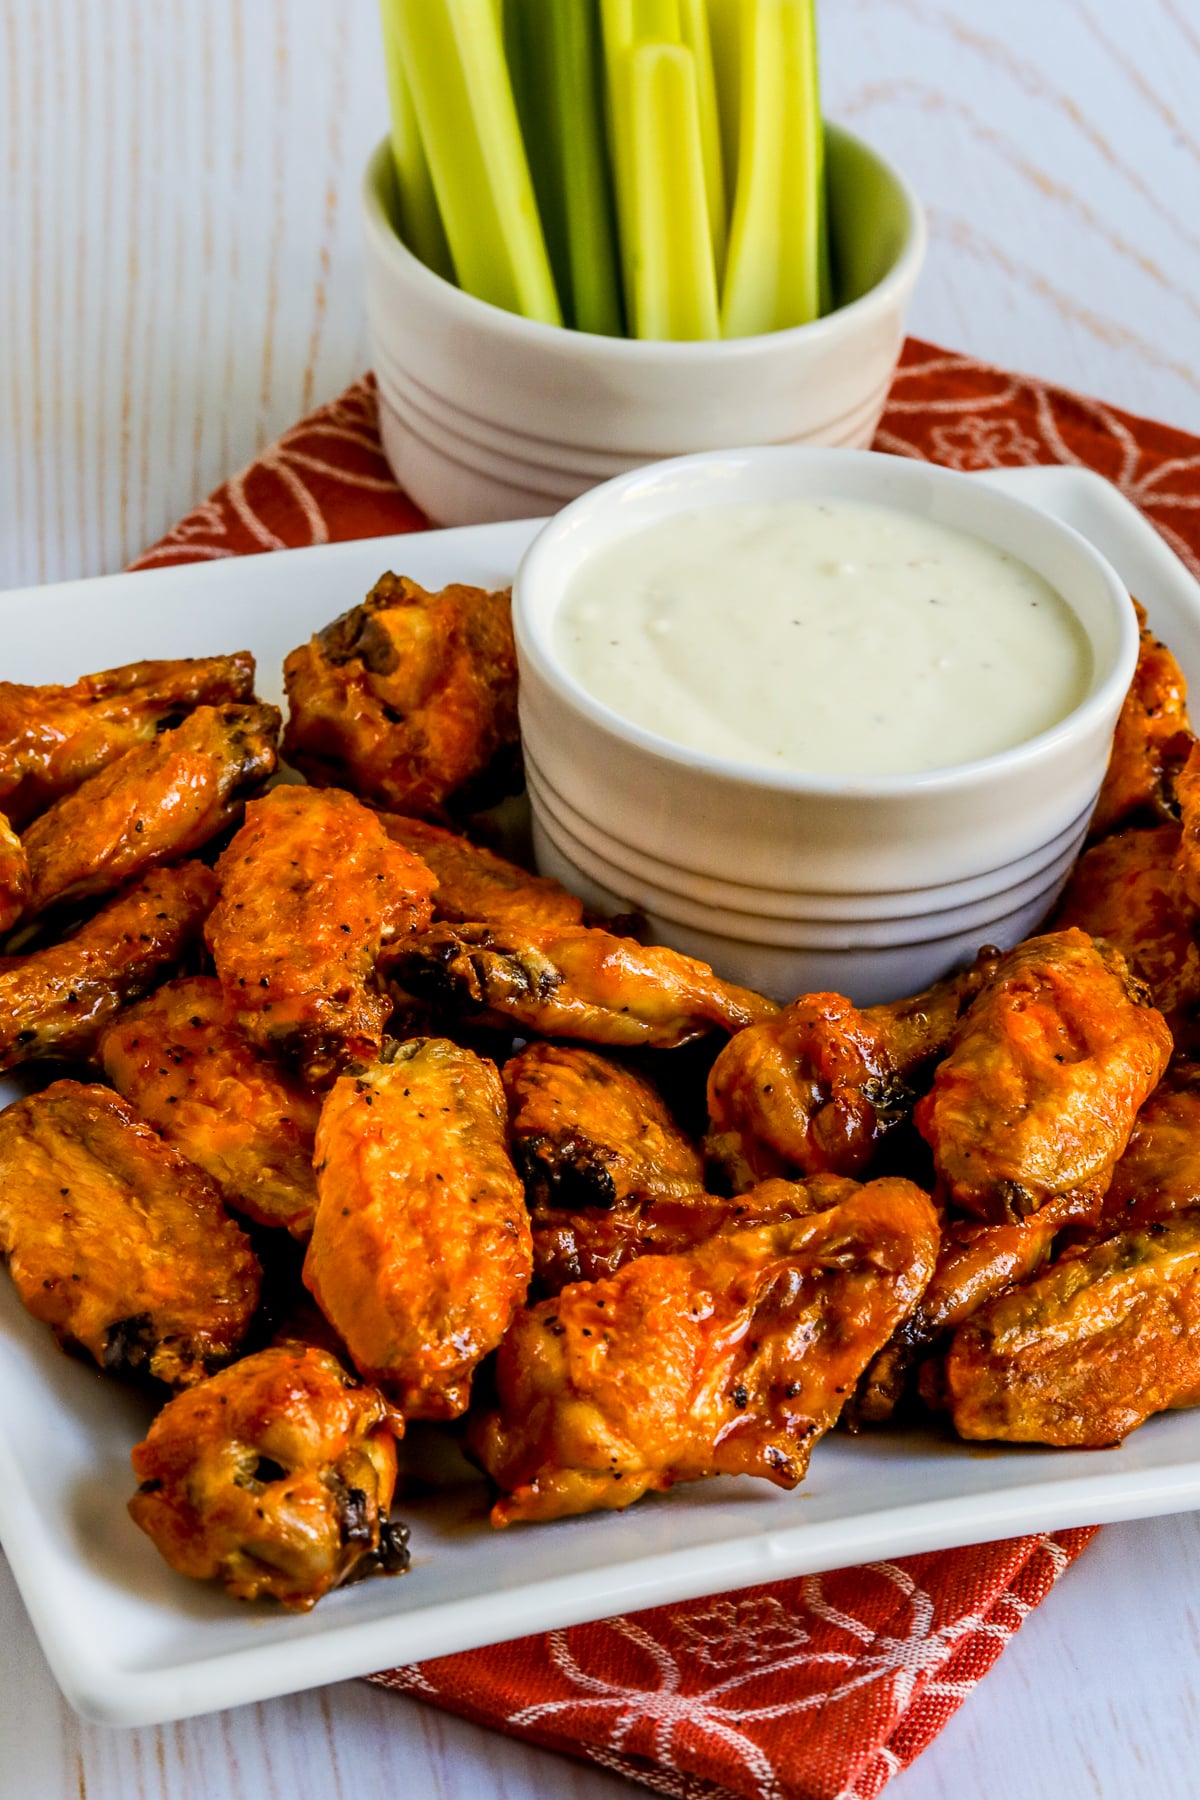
(132, 1643)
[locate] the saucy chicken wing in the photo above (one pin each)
(734, 1359)
(153, 804)
(1089, 1348)
(1127, 890)
(312, 891)
(475, 885)
(1159, 1173)
(14, 877)
(54, 738)
(116, 1241)
(818, 1086)
(409, 699)
(420, 1253)
(56, 1001)
(273, 1477)
(1045, 1076)
(226, 1105)
(576, 984)
(593, 1242)
(1150, 744)
(587, 1131)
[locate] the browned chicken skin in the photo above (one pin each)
(817, 1087)
(476, 886)
(153, 804)
(225, 1104)
(14, 877)
(56, 1001)
(734, 1359)
(312, 892)
(1159, 1173)
(274, 1477)
(420, 1253)
(410, 699)
(1127, 890)
(1150, 745)
(1044, 1079)
(592, 1243)
(1089, 1348)
(54, 738)
(576, 984)
(116, 1241)
(586, 1131)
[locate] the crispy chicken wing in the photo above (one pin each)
(14, 877)
(1159, 1173)
(734, 1359)
(153, 804)
(1150, 745)
(420, 1253)
(273, 1477)
(116, 1241)
(576, 984)
(56, 1001)
(54, 738)
(1187, 862)
(593, 1242)
(1044, 1079)
(409, 699)
(475, 886)
(312, 891)
(221, 1101)
(1089, 1348)
(1127, 890)
(818, 1086)
(586, 1131)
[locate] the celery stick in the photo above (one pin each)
(454, 60)
(625, 25)
(675, 286)
(772, 276)
(694, 22)
(419, 222)
(725, 35)
(554, 56)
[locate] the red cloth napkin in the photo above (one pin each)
(818, 1689)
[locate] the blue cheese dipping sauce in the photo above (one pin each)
(833, 637)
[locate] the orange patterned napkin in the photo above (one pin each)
(818, 1689)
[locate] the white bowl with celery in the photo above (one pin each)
(607, 231)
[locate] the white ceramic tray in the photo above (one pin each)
(131, 1643)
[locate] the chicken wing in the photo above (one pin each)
(223, 1103)
(592, 1243)
(54, 738)
(734, 1359)
(576, 984)
(586, 1131)
(273, 1477)
(1044, 1079)
(420, 1253)
(409, 699)
(1159, 1173)
(312, 890)
(1127, 890)
(56, 1001)
(1089, 1348)
(116, 1241)
(819, 1086)
(152, 804)
(476, 886)
(1150, 745)
(14, 877)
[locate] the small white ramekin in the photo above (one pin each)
(486, 415)
(791, 882)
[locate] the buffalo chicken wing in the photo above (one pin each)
(1151, 743)
(476, 886)
(14, 877)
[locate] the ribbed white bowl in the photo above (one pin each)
(486, 415)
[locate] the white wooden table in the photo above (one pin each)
(180, 277)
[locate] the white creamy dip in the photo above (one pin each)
(832, 636)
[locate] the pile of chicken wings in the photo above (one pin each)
(336, 1119)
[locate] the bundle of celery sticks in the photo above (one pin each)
(652, 168)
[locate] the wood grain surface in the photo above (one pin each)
(180, 277)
